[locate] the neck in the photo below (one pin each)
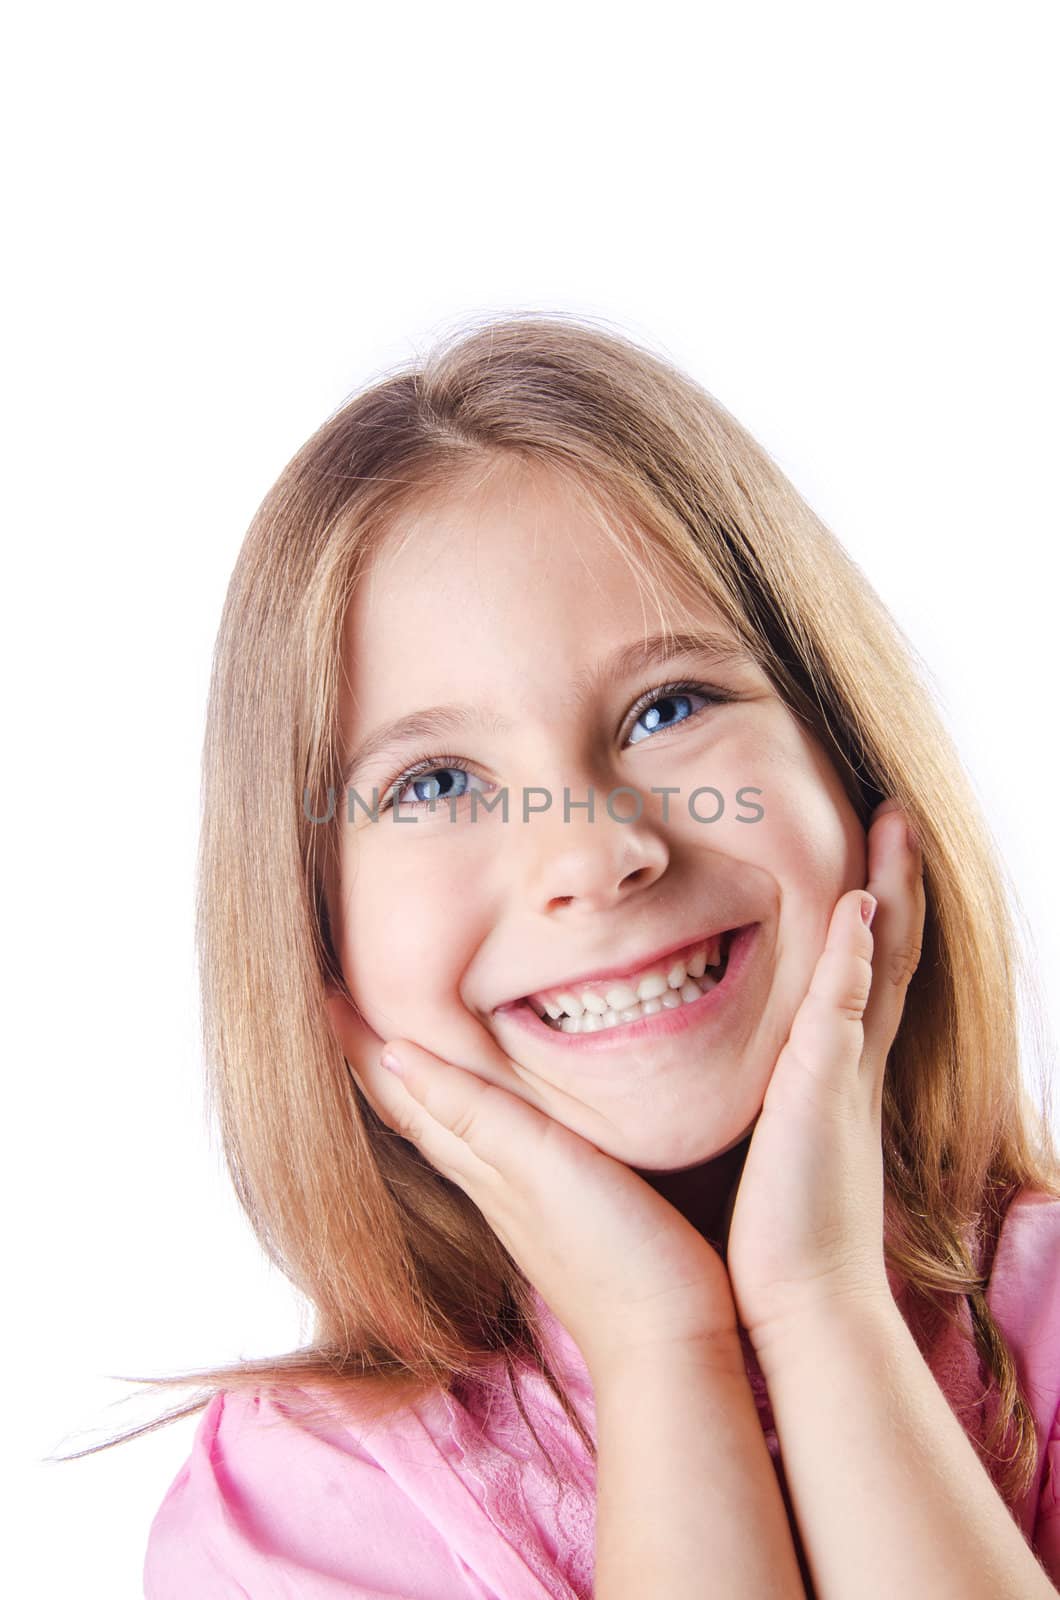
(704, 1194)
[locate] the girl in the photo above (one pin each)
(702, 1236)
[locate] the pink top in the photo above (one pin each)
(453, 1501)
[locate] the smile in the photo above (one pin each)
(693, 1002)
(663, 986)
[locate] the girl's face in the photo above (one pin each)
(509, 602)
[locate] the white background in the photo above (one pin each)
(223, 219)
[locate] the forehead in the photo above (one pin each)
(524, 557)
(504, 601)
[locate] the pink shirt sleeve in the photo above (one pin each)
(269, 1509)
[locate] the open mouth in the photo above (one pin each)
(684, 982)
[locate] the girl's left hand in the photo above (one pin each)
(807, 1223)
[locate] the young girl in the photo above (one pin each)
(702, 1236)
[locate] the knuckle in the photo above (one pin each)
(463, 1124)
(849, 981)
(405, 1128)
(903, 962)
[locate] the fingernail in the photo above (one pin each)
(390, 1061)
(868, 909)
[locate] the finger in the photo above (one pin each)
(393, 1101)
(467, 1128)
(498, 1130)
(896, 878)
(447, 1148)
(827, 1036)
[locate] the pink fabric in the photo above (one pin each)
(453, 1501)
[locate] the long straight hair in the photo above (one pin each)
(411, 1290)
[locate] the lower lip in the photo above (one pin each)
(662, 1025)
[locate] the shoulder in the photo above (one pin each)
(270, 1504)
(1024, 1287)
(1024, 1297)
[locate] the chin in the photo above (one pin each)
(657, 1168)
(700, 1156)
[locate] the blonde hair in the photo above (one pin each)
(412, 1291)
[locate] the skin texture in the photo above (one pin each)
(500, 598)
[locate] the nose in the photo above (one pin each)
(593, 863)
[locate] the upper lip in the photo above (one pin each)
(625, 971)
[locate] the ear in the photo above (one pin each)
(355, 1038)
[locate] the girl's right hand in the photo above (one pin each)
(619, 1266)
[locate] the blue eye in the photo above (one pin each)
(656, 718)
(429, 778)
(655, 708)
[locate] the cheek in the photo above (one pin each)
(809, 849)
(809, 837)
(408, 937)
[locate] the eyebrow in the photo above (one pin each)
(439, 722)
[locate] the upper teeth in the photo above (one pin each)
(619, 994)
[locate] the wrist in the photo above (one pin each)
(808, 1330)
(717, 1351)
